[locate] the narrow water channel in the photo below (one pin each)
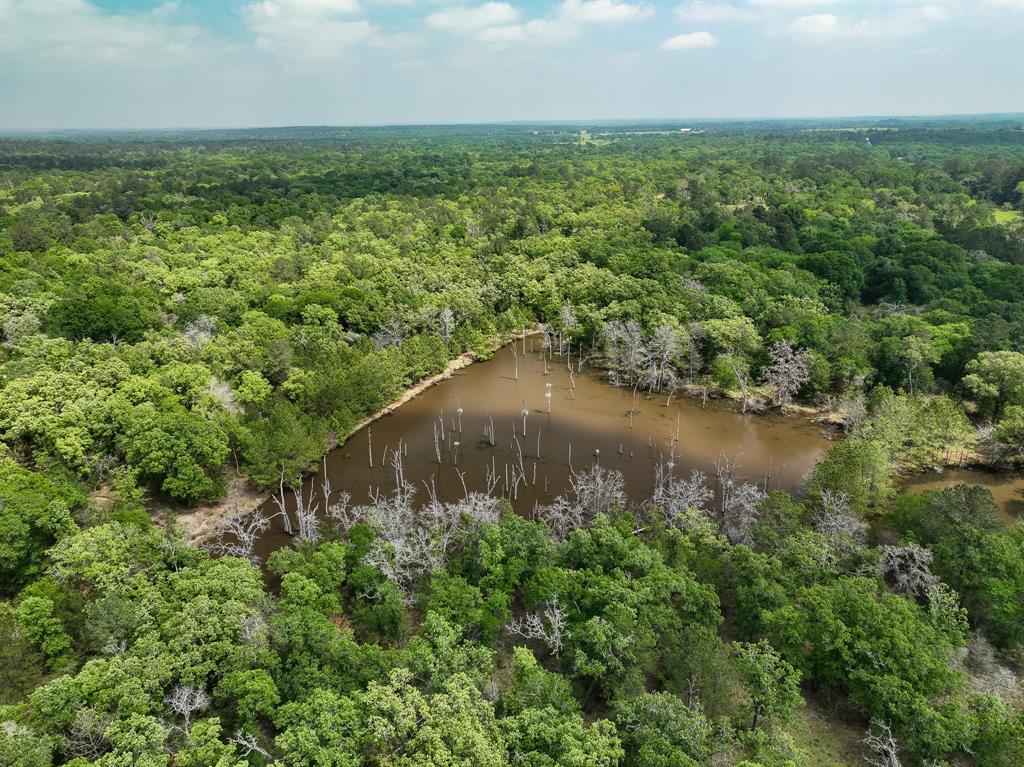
(1007, 488)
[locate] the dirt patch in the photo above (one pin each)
(202, 522)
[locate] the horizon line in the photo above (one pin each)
(4, 132)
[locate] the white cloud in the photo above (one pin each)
(537, 31)
(603, 11)
(74, 31)
(498, 23)
(897, 22)
(791, 4)
(301, 33)
(471, 18)
(703, 11)
(689, 41)
(816, 25)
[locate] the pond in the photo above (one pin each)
(589, 421)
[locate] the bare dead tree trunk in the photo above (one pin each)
(281, 502)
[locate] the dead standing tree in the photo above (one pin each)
(562, 516)
(664, 348)
(597, 489)
(186, 700)
(306, 508)
(788, 369)
(626, 347)
(884, 749)
(738, 502)
(547, 626)
(238, 535)
(908, 568)
(683, 502)
(843, 527)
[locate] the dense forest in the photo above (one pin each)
(184, 314)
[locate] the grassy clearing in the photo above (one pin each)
(1007, 216)
(825, 738)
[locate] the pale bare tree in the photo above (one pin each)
(988, 445)
(883, 746)
(446, 324)
(738, 502)
(845, 529)
(742, 512)
(255, 629)
(414, 541)
(199, 331)
(478, 509)
(281, 501)
(683, 502)
(567, 319)
(852, 409)
(84, 738)
(598, 489)
(222, 393)
(988, 676)
(626, 347)
(561, 516)
(788, 369)
(248, 743)
(186, 700)
(908, 568)
(659, 371)
(547, 626)
(391, 333)
(238, 536)
(343, 513)
(741, 372)
(307, 514)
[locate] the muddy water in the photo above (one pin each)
(1007, 488)
(589, 419)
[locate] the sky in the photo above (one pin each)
(93, 64)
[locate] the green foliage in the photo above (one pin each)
(974, 554)
(996, 380)
(1010, 431)
(858, 467)
(41, 628)
(878, 648)
(173, 308)
(659, 729)
(21, 747)
(392, 723)
(104, 311)
(35, 512)
(772, 684)
(179, 448)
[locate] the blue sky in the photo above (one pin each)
(224, 63)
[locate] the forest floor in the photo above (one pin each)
(828, 738)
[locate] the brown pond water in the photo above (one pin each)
(599, 421)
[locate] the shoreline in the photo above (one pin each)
(242, 497)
